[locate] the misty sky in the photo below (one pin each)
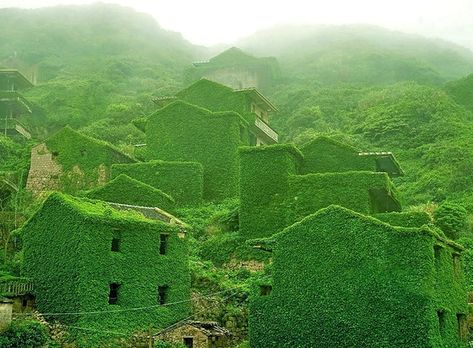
(210, 22)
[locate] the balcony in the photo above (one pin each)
(266, 130)
(11, 126)
(16, 287)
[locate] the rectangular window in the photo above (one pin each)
(437, 251)
(113, 295)
(188, 342)
(456, 264)
(162, 294)
(163, 244)
(265, 290)
(441, 318)
(462, 326)
(116, 241)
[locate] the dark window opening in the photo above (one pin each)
(24, 302)
(162, 294)
(462, 326)
(265, 290)
(456, 264)
(113, 295)
(163, 244)
(116, 241)
(188, 342)
(441, 318)
(115, 244)
(437, 250)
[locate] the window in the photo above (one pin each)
(116, 241)
(456, 264)
(189, 342)
(24, 302)
(162, 294)
(265, 290)
(163, 244)
(113, 295)
(437, 250)
(441, 318)
(462, 326)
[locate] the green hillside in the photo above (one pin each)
(359, 54)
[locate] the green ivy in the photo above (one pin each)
(126, 190)
(183, 179)
(184, 132)
(353, 281)
(79, 233)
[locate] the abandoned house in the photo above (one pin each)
(281, 184)
(69, 161)
(206, 123)
(236, 69)
(196, 334)
(12, 104)
(85, 256)
(342, 279)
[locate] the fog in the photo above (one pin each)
(210, 22)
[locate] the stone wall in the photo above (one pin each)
(6, 309)
(44, 174)
(200, 340)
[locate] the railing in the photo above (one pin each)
(266, 129)
(15, 288)
(12, 123)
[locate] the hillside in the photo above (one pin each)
(91, 62)
(359, 54)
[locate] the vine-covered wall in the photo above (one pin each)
(274, 194)
(126, 190)
(184, 132)
(353, 281)
(183, 180)
(68, 254)
(82, 162)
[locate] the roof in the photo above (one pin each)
(209, 328)
(21, 80)
(268, 244)
(332, 141)
(386, 162)
(290, 148)
(258, 98)
(93, 209)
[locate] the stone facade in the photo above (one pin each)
(44, 172)
(197, 335)
(6, 310)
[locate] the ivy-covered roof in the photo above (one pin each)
(126, 190)
(338, 213)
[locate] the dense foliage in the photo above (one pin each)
(24, 333)
(89, 261)
(183, 179)
(126, 190)
(184, 132)
(372, 289)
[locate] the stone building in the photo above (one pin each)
(281, 184)
(236, 69)
(69, 161)
(12, 103)
(85, 256)
(206, 123)
(197, 334)
(342, 279)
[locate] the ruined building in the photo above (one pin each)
(12, 103)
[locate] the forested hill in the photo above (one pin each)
(92, 61)
(359, 54)
(98, 67)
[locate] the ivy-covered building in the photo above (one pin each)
(12, 103)
(342, 279)
(87, 258)
(69, 161)
(236, 69)
(206, 123)
(281, 184)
